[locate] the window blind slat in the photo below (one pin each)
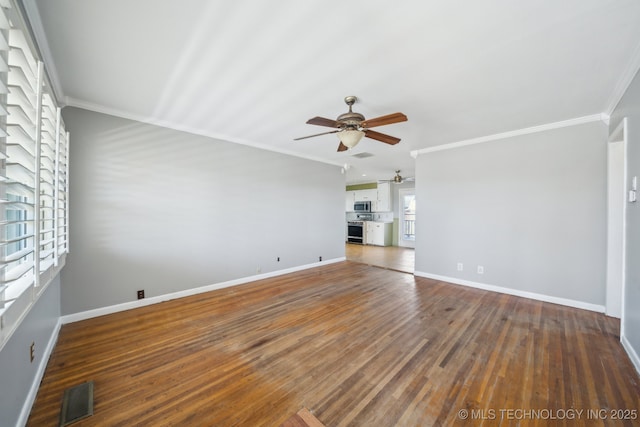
(15, 239)
(16, 255)
(18, 272)
(22, 52)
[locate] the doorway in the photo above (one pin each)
(407, 217)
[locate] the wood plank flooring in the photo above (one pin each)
(357, 345)
(391, 257)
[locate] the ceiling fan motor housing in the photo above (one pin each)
(350, 119)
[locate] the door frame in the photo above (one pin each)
(616, 222)
(401, 193)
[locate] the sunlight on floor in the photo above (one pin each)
(391, 257)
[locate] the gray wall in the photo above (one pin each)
(530, 209)
(629, 107)
(17, 373)
(165, 211)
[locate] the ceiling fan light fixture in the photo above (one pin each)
(350, 137)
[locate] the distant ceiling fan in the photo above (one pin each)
(398, 179)
(351, 127)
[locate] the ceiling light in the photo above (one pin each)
(350, 137)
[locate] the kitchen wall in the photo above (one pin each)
(530, 209)
(629, 107)
(19, 377)
(166, 211)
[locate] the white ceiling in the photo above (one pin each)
(254, 72)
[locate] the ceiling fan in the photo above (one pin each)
(351, 127)
(398, 179)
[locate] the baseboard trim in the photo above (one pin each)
(84, 315)
(631, 352)
(42, 366)
(515, 292)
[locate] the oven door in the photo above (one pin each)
(355, 232)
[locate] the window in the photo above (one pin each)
(33, 175)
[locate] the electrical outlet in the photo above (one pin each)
(258, 269)
(278, 259)
(141, 294)
(460, 266)
(480, 269)
(319, 259)
(32, 351)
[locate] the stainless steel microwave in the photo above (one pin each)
(364, 206)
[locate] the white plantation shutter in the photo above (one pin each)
(4, 233)
(34, 163)
(47, 227)
(18, 258)
(61, 205)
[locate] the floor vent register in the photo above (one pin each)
(77, 403)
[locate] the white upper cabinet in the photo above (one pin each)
(380, 198)
(366, 195)
(350, 200)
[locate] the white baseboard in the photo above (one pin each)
(631, 352)
(83, 315)
(540, 297)
(42, 366)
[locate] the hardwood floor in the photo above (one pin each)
(357, 345)
(391, 257)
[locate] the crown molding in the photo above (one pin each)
(525, 131)
(38, 33)
(625, 80)
(73, 102)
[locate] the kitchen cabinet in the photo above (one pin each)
(380, 198)
(378, 233)
(383, 197)
(370, 195)
(350, 200)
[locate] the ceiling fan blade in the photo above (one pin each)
(384, 120)
(342, 147)
(387, 139)
(321, 121)
(317, 134)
